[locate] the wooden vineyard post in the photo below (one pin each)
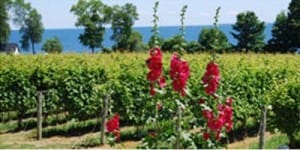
(39, 115)
(263, 124)
(104, 115)
(178, 128)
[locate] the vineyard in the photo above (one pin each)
(74, 87)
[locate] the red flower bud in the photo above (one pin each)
(206, 136)
(201, 101)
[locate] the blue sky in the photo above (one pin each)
(56, 13)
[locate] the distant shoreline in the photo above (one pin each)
(71, 43)
(137, 27)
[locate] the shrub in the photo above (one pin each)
(52, 46)
(173, 44)
(193, 46)
(213, 39)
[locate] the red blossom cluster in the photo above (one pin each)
(211, 78)
(113, 126)
(223, 119)
(154, 64)
(179, 73)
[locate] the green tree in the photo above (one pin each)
(136, 42)
(20, 11)
(30, 23)
(249, 32)
(280, 41)
(32, 30)
(122, 21)
(92, 15)
(213, 39)
(294, 22)
(174, 43)
(4, 26)
(193, 46)
(52, 46)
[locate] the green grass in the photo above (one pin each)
(12, 115)
(273, 143)
(72, 128)
(89, 142)
(30, 123)
(14, 146)
(7, 127)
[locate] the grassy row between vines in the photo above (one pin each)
(76, 84)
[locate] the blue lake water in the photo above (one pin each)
(71, 43)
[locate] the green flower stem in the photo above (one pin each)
(182, 29)
(216, 17)
(155, 31)
(178, 126)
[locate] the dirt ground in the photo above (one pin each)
(27, 140)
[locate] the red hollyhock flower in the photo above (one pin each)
(206, 136)
(228, 126)
(208, 114)
(179, 73)
(152, 91)
(229, 101)
(223, 120)
(211, 78)
(175, 66)
(154, 75)
(113, 123)
(112, 126)
(162, 82)
(185, 70)
(215, 124)
(154, 64)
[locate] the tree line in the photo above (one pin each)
(94, 15)
(26, 18)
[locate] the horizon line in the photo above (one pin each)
(142, 26)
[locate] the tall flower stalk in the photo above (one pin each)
(217, 112)
(182, 29)
(154, 30)
(218, 115)
(216, 17)
(216, 25)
